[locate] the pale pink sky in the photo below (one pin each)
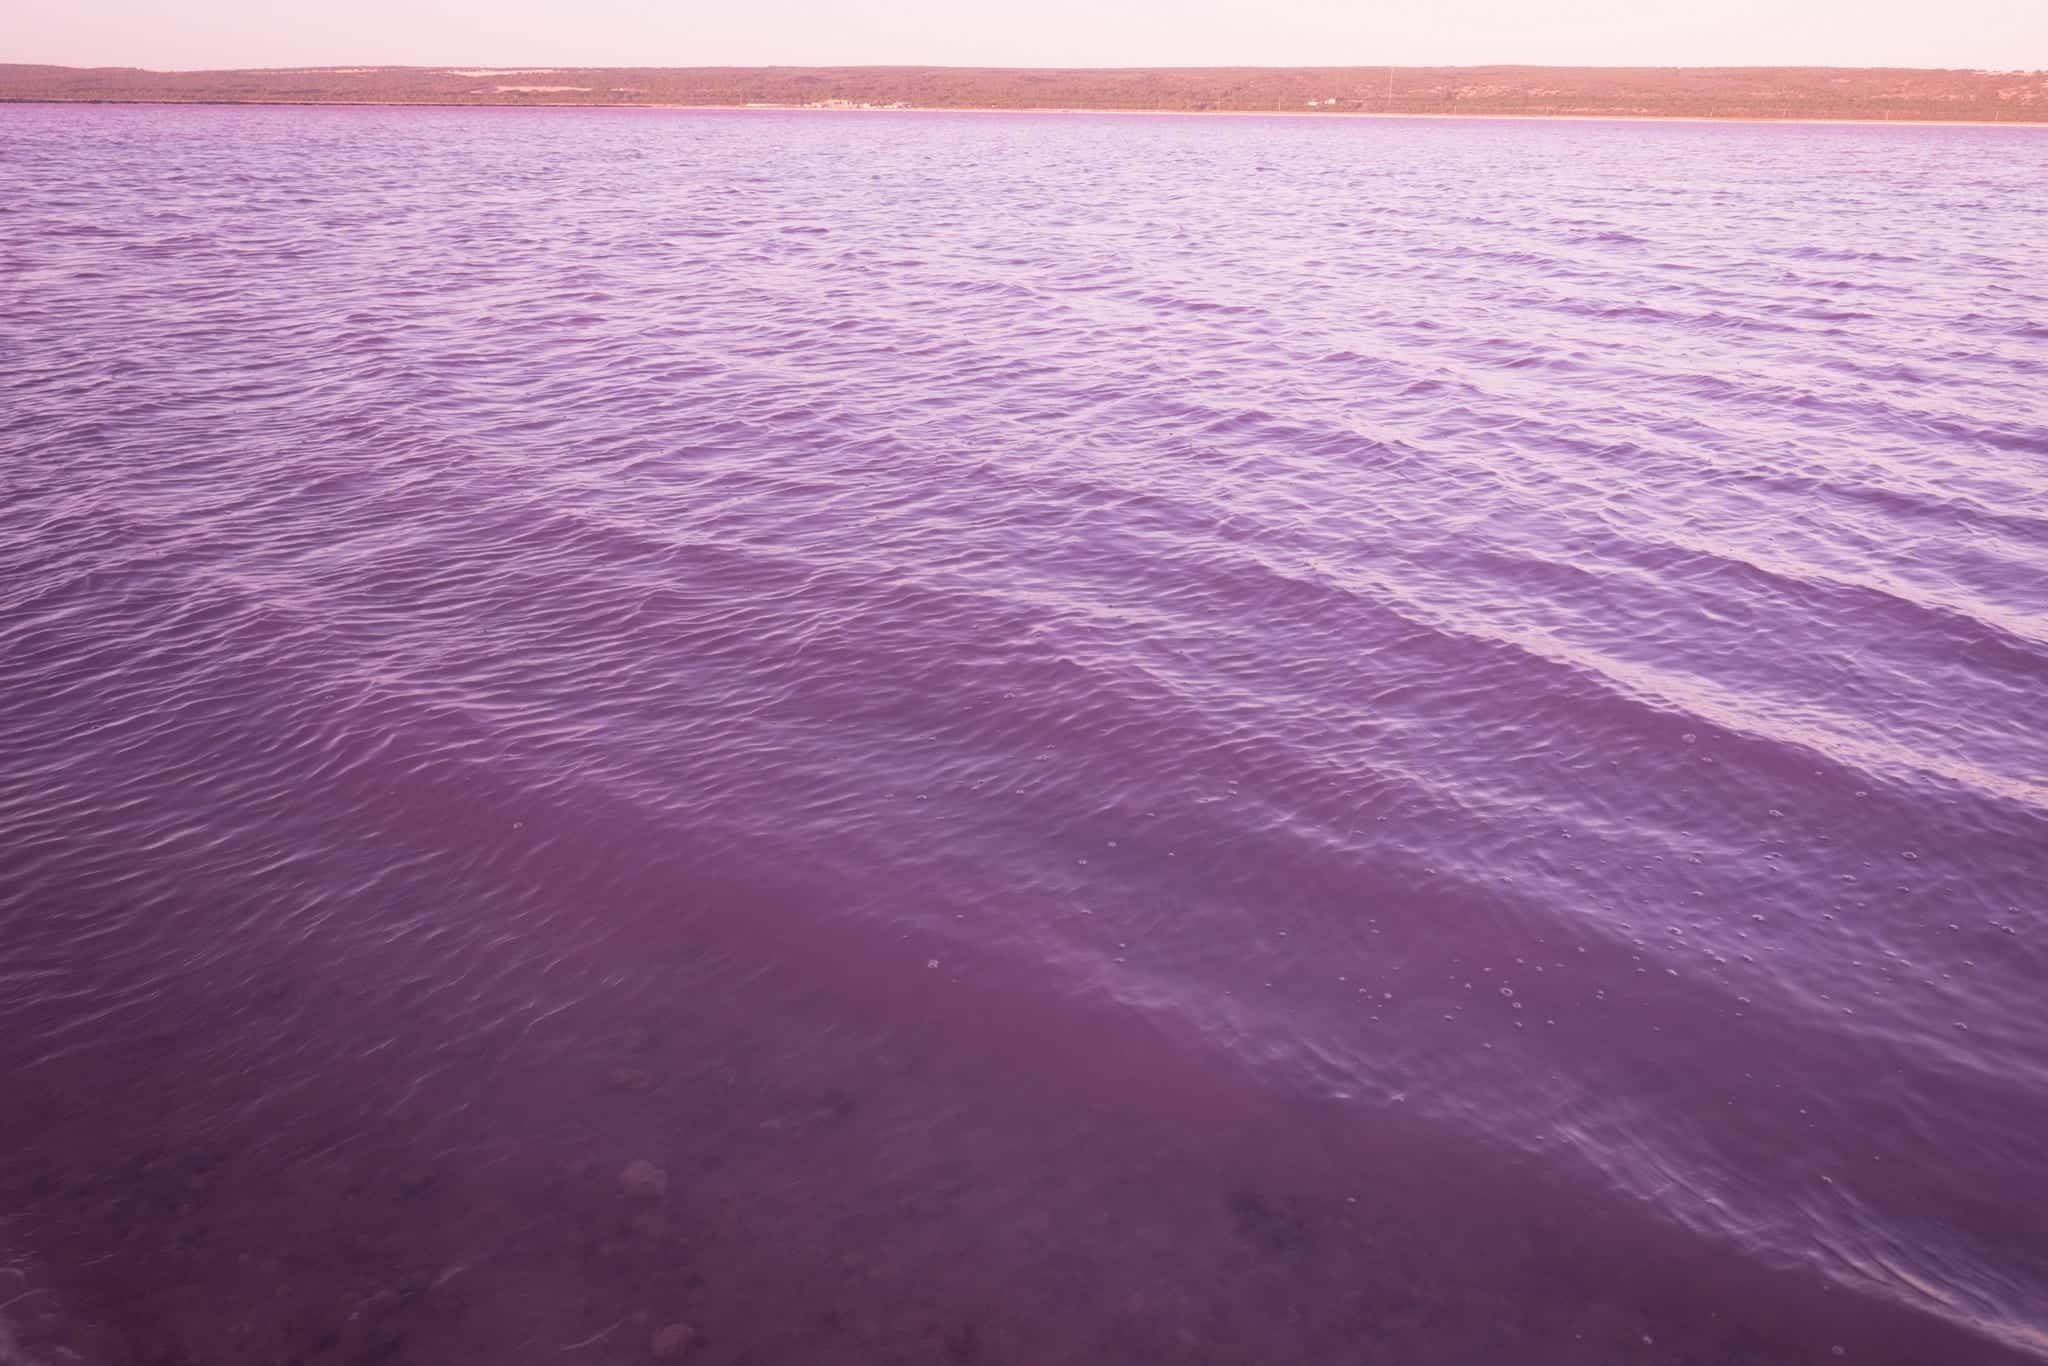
(1997, 34)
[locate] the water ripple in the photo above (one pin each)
(913, 669)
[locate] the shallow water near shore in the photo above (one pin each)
(919, 738)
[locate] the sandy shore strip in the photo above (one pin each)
(1067, 110)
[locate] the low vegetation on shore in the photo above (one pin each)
(1668, 92)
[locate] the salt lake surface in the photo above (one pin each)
(1097, 739)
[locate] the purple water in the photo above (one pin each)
(1104, 739)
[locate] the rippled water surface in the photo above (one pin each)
(1098, 739)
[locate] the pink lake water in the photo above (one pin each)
(1102, 739)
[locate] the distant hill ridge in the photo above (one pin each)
(1624, 92)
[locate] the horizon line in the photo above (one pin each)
(536, 65)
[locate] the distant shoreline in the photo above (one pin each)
(1632, 94)
(1332, 114)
